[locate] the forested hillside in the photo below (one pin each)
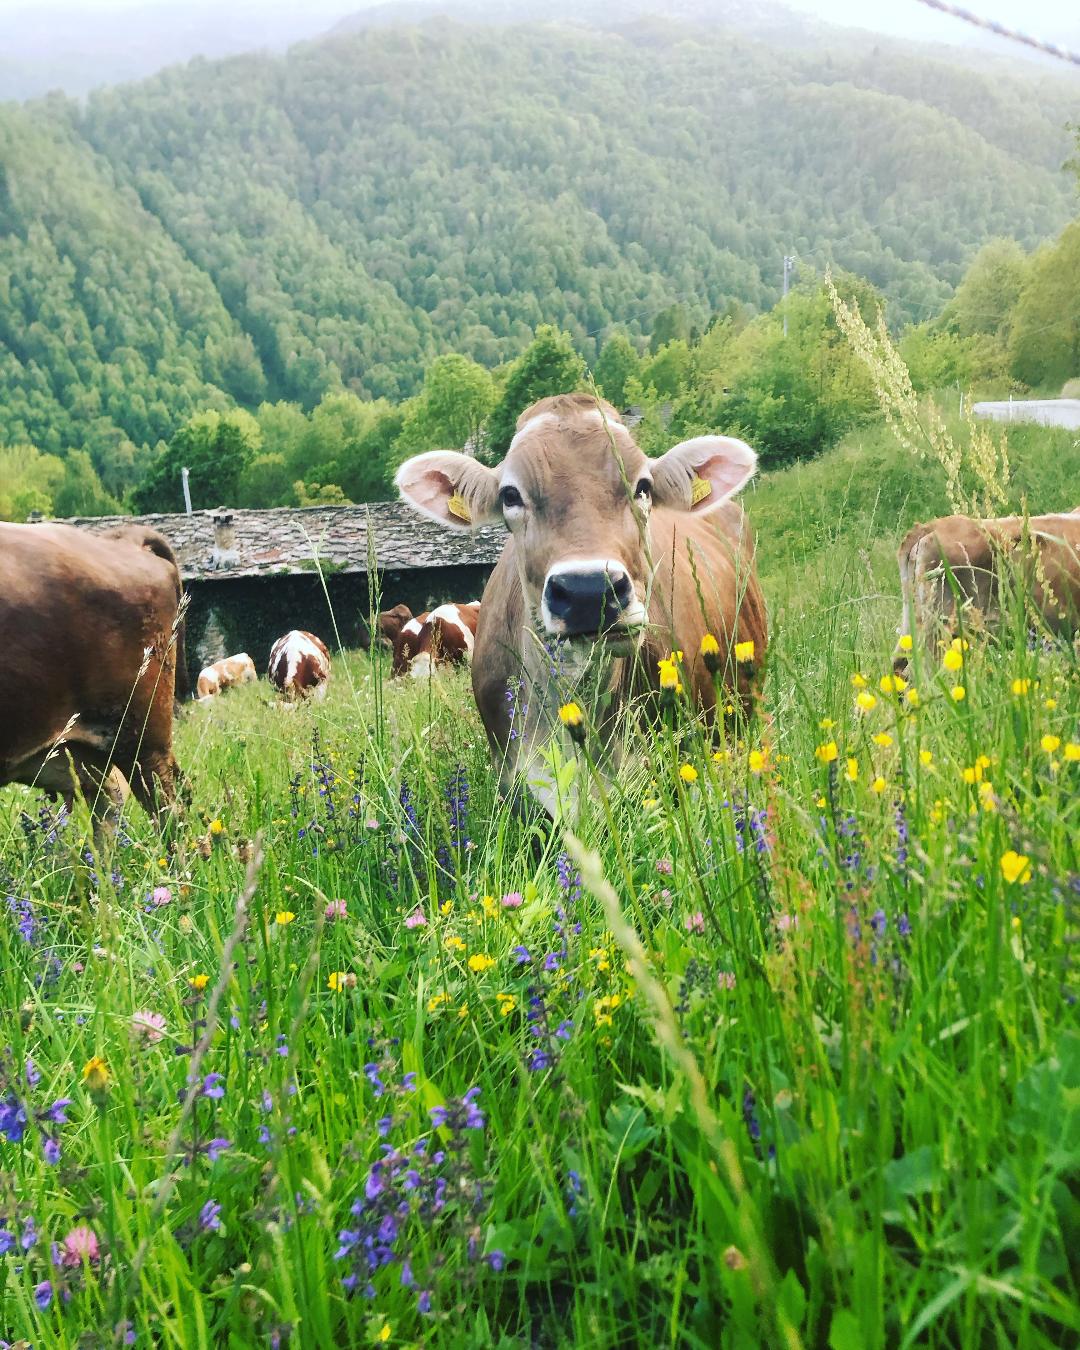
(264, 229)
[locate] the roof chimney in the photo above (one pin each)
(224, 553)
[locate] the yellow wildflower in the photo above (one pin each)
(1050, 743)
(95, 1074)
(756, 760)
(827, 752)
(953, 660)
(865, 701)
(986, 795)
(446, 907)
(1020, 687)
(826, 724)
(199, 981)
(479, 962)
(857, 681)
(960, 644)
(455, 943)
(688, 774)
(507, 1004)
(883, 739)
(340, 980)
(436, 1001)
(283, 917)
(892, 684)
(878, 785)
(852, 770)
(1050, 704)
(926, 758)
(820, 803)
(958, 693)
(912, 698)
(710, 653)
(463, 1010)
(1016, 867)
(573, 719)
(1072, 751)
(905, 643)
(669, 676)
(744, 651)
(216, 827)
(383, 1335)
(721, 756)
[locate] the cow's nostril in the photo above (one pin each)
(621, 587)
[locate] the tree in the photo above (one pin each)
(987, 295)
(457, 396)
(81, 493)
(670, 325)
(28, 480)
(215, 448)
(1044, 344)
(549, 365)
(617, 363)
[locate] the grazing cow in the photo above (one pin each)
(299, 666)
(143, 537)
(87, 652)
(444, 637)
(225, 674)
(387, 627)
(635, 557)
(956, 567)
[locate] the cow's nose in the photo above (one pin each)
(587, 599)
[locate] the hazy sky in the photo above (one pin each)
(1044, 18)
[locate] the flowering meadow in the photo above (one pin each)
(778, 1046)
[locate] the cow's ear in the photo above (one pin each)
(702, 474)
(451, 488)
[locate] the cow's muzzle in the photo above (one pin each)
(589, 597)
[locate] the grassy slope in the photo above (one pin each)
(883, 1028)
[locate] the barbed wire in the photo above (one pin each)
(992, 26)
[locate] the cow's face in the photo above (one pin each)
(575, 491)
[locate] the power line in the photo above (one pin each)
(992, 26)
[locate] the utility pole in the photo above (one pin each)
(789, 267)
(187, 490)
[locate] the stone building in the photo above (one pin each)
(253, 575)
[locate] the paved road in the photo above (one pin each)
(1049, 412)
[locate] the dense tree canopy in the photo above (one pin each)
(359, 242)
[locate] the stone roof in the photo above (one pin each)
(289, 540)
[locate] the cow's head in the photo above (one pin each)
(575, 491)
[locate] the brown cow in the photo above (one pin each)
(159, 546)
(953, 570)
(224, 674)
(87, 652)
(638, 557)
(444, 637)
(299, 666)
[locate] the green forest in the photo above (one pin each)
(288, 273)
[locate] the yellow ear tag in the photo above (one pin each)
(457, 506)
(700, 488)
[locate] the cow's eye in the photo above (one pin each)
(510, 498)
(644, 489)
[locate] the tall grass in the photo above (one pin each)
(781, 1047)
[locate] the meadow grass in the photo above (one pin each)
(779, 1047)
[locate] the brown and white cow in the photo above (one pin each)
(955, 569)
(626, 558)
(388, 624)
(443, 637)
(227, 673)
(87, 653)
(299, 666)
